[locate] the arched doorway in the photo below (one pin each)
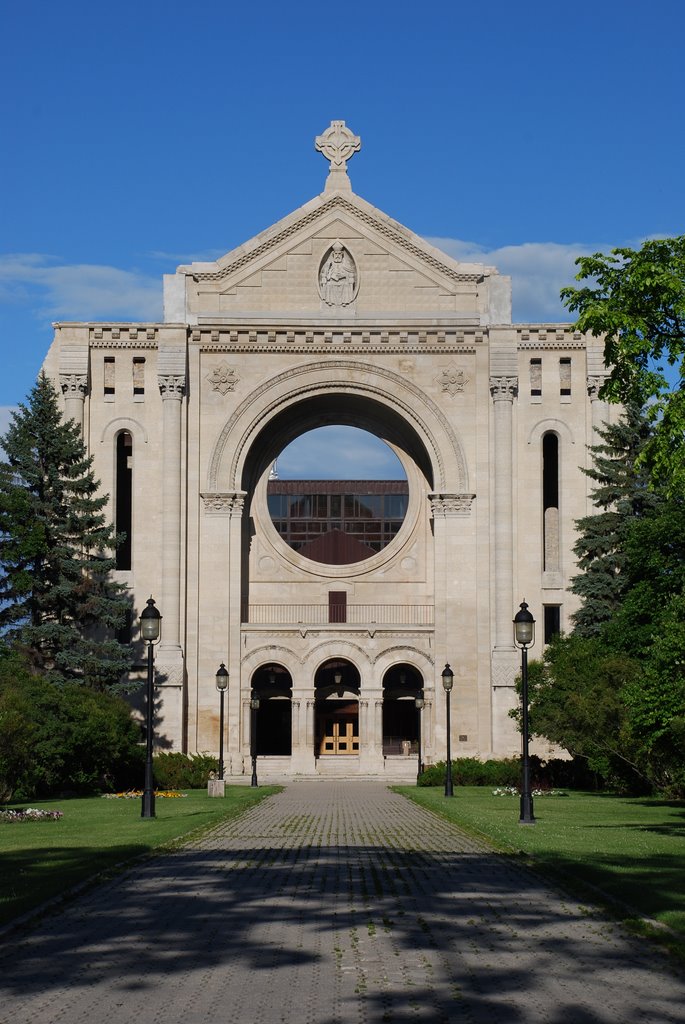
(336, 710)
(273, 685)
(402, 684)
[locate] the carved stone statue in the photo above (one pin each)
(338, 277)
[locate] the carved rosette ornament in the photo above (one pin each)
(452, 380)
(444, 506)
(223, 378)
(74, 385)
(230, 503)
(504, 389)
(172, 385)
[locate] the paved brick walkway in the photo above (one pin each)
(332, 902)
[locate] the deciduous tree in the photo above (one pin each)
(635, 299)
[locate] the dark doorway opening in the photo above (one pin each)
(274, 727)
(402, 684)
(272, 684)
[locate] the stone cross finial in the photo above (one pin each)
(338, 144)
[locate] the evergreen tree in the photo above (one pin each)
(58, 604)
(622, 496)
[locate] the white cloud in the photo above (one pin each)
(538, 271)
(183, 258)
(338, 453)
(79, 291)
(5, 417)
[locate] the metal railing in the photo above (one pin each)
(351, 614)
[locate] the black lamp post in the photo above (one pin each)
(150, 621)
(254, 705)
(419, 703)
(447, 683)
(222, 687)
(524, 637)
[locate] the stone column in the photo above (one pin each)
(427, 721)
(295, 727)
(455, 609)
(504, 660)
(169, 661)
(598, 406)
(235, 504)
(302, 760)
(364, 730)
(310, 734)
(218, 619)
(74, 388)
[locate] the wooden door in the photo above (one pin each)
(340, 734)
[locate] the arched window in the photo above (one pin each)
(123, 516)
(550, 502)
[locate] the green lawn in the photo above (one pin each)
(630, 848)
(42, 860)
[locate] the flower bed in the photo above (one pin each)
(28, 814)
(513, 791)
(136, 794)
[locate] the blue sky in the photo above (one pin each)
(138, 136)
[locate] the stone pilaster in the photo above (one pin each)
(169, 661)
(302, 760)
(503, 390)
(598, 406)
(455, 596)
(74, 388)
(503, 671)
(220, 618)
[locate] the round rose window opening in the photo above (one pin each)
(337, 495)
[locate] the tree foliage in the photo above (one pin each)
(575, 701)
(56, 738)
(57, 601)
(635, 299)
(613, 691)
(621, 496)
(616, 695)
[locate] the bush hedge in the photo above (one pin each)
(552, 774)
(62, 739)
(183, 771)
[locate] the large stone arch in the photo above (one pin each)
(336, 391)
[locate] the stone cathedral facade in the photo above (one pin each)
(338, 314)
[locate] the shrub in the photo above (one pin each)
(62, 738)
(183, 771)
(469, 771)
(552, 774)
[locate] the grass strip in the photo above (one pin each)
(42, 861)
(624, 853)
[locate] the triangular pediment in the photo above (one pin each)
(336, 256)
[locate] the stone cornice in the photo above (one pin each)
(226, 503)
(337, 339)
(445, 506)
(123, 336)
